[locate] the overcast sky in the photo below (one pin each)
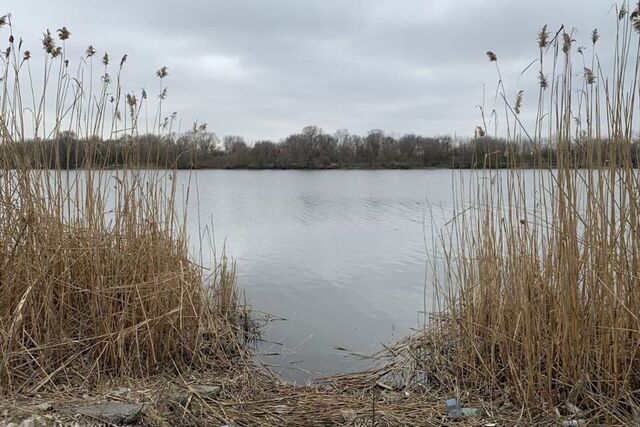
(266, 68)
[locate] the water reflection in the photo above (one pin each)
(339, 254)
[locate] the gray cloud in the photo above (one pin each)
(263, 69)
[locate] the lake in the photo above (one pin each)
(340, 255)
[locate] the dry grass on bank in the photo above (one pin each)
(89, 293)
(96, 279)
(249, 396)
(541, 287)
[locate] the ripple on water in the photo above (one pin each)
(340, 254)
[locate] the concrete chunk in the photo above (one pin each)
(110, 412)
(207, 390)
(181, 396)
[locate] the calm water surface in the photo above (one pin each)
(339, 254)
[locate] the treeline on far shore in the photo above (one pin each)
(309, 149)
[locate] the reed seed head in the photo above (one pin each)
(544, 83)
(27, 55)
(105, 59)
(48, 44)
(622, 12)
(162, 72)
(635, 21)
(11, 39)
(479, 132)
(144, 93)
(90, 51)
(4, 20)
(492, 56)
(589, 77)
(566, 43)
(595, 36)
(132, 102)
(123, 60)
(518, 104)
(64, 33)
(543, 37)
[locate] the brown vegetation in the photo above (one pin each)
(541, 288)
(95, 273)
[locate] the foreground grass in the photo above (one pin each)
(541, 287)
(96, 277)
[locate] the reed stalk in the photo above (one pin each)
(96, 278)
(542, 289)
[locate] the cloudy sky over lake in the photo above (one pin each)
(264, 69)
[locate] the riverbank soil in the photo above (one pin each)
(241, 393)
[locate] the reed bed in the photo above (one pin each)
(96, 277)
(540, 289)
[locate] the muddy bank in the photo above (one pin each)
(241, 393)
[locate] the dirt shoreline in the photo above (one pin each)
(242, 393)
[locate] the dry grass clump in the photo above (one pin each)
(95, 275)
(542, 283)
(88, 293)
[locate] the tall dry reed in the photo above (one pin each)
(95, 275)
(542, 282)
